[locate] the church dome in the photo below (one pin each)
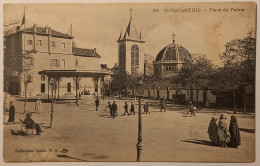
(172, 52)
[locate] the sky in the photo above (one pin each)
(99, 25)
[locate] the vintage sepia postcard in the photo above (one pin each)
(129, 82)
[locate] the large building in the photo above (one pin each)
(169, 60)
(36, 49)
(130, 50)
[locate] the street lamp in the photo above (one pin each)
(53, 86)
(25, 94)
(139, 93)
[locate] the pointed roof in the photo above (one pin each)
(131, 33)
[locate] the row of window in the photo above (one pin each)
(39, 43)
(57, 63)
(171, 68)
(60, 63)
(29, 78)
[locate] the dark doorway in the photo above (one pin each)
(42, 88)
(69, 87)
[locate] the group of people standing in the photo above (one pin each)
(113, 108)
(222, 135)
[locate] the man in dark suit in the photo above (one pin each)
(126, 109)
(132, 109)
(97, 104)
(114, 109)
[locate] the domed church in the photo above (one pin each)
(169, 60)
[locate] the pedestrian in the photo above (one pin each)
(190, 106)
(97, 104)
(132, 109)
(29, 123)
(223, 132)
(79, 95)
(11, 112)
(163, 105)
(110, 108)
(38, 106)
(193, 110)
(126, 109)
(147, 108)
(114, 110)
(213, 131)
(235, 139)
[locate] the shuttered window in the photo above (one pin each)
(54, 63)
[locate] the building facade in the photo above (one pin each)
(36, 49)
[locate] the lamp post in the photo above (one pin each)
(77, 92)
(139, 145)
(53, 86)
(25, 95)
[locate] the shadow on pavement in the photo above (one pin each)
(100, 157)
(69, 157)
(18, 132)
(247, 130)
(103, 116)
(197, 141)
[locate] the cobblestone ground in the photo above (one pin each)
(82, 134)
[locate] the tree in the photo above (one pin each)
(203, 69)
(229, 77)
(239, 56)
(195, 73)
(122, 81)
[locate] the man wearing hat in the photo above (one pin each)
(29, 123)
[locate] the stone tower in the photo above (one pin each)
(130, 50)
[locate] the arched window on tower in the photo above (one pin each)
(122, 57)
(167, 68)
(134, 59)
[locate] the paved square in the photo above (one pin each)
(82, 134)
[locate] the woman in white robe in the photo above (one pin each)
(38, 106)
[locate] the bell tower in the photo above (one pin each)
(130, 50)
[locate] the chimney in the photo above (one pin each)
(49, 30)
(34, 28)
(34, 37)
(18, 28)
(46, 29)
(95, 50)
